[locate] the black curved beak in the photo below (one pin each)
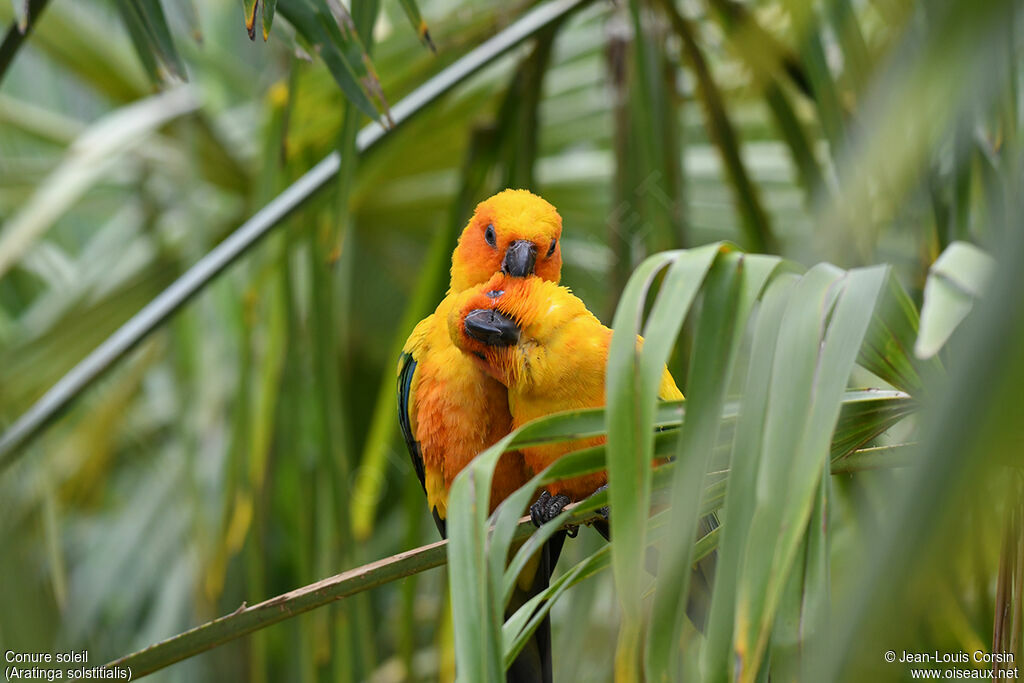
(519, 259)
(491, 327)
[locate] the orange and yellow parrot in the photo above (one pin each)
(542, 343)
(450, 409)
(548, 349)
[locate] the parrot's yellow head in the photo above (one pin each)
(510, 324)
(514, 232)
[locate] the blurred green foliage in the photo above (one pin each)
(250, 447)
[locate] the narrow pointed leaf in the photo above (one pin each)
(632, 384)
(329, 30)
(21, 14)
(733, 287)
(888, 347)
(79, 43)
(740, 499)
(151, 36)
(269, 9)
(412, 10)
(865, 415)
(957, 278)
(250, 8)
(521, 625)
(799, 629)
(818, 344)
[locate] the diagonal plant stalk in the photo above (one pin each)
(253, 618)
(246, 236)
(247, 619)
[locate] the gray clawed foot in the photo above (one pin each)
(547, 507)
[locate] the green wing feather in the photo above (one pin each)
(406, 372)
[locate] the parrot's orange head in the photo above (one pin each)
(514, 232)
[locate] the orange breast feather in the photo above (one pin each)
(458, 411)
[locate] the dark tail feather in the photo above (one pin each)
(698, 602)
(533, 664)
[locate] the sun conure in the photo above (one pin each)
(542, 343)
(450, 409)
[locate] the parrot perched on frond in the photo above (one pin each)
(450, 409)
(550, 351)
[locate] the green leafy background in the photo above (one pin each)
(763, 189)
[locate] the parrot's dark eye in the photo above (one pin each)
(551, 249)
(489, 235)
